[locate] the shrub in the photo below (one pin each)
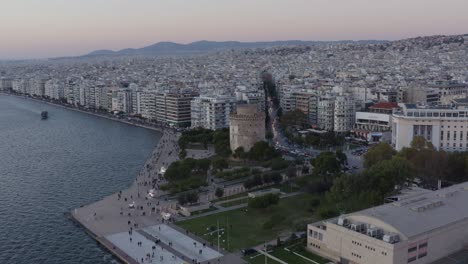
(264, 201)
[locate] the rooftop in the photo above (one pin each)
(384, 105)
(422, 213)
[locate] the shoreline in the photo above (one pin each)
(158, 129)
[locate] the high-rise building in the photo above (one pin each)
(173, 107)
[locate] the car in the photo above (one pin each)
(249, 251)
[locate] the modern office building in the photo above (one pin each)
(212, 112)
(418, 229)
(446, 127)
(173, 107)
(246, 127)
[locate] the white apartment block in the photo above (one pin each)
(421, 228)
(146, 104)
(446, 127)
(336, 112)
(212, 112)
(344, 114)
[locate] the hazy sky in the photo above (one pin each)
(45, 28)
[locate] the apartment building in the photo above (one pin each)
(212, 112)
(336, 112)
(173, 107)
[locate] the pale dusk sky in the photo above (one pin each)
(50, 28)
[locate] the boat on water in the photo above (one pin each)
(44, 115)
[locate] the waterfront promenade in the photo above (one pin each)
(120, 227)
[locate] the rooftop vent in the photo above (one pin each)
(406, 202)
(448, 194)
(391, 238)
(427, 206)
(342, 221)
(375, 232)
(358, 227)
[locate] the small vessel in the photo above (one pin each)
(44, 115)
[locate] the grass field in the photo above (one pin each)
(244, 227)
(288, 256)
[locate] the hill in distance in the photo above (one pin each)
(171, 48)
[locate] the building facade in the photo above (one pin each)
(173, 107)
(446, 127)
(212, 112)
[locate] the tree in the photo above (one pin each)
(293, 119)
(326, 164)
(203, 164)
(188, 198)
(219, 192)
(420, 143)
(269, 135)
(239, 153)
(378, 153)
(182, 154)
(276, 177)
(220, 163)
(264, 201)
(430, 164)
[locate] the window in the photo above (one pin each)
(411, 259)
(441, 135)
(422, 255)
(423, 245)
(412, 249)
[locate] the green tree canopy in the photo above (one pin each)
(378, 153)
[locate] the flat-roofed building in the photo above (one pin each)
(420, 229)
(212, 112)
(173, 107)
(446, 127)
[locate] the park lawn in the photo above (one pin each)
(246, 227)
(260, 259)
(300, 249)
(288, 256)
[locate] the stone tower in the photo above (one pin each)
(246, 127)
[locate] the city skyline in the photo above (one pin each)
(39, 29)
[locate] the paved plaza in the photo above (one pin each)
(183, 244)
(146, 252)
(173, 246)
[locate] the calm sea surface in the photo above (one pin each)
(49, 167)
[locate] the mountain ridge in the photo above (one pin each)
(168, 48)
